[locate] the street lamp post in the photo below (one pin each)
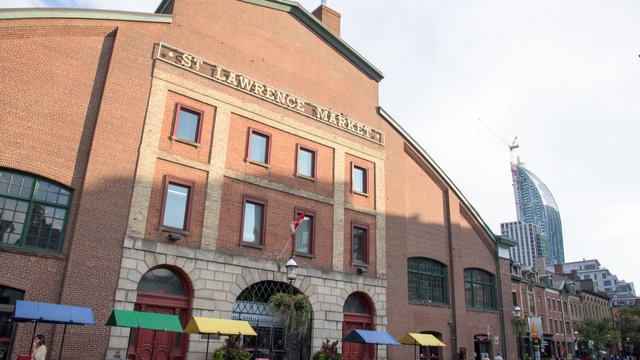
(292, 275)
(576, 334)
(518, 311)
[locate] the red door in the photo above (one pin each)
(158, 345)
(355, 351)
(163, 291)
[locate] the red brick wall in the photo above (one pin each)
(280, 212)
(201, 153)
(282, 166)
(155, 230)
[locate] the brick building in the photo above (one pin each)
(155, 161)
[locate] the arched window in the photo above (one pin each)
(427, 281)
(33, 211)
(162, 281)
(272, 341)
(479, 289)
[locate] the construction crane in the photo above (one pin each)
(514, 144)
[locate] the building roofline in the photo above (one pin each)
(93, 14)
(442, 175)
(294, 8)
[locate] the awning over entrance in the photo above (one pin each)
(420, 339)
(201, 325)
(52, 313)
(370, 337)
(145, 320)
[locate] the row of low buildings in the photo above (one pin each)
(558, 302)
(154, 162)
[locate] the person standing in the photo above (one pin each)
(498, 357)
(38, 349)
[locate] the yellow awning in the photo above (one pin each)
(420, 339)
(202, 325)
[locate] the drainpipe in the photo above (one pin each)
(454, 319)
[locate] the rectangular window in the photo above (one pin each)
(253, 221)
(259, 147)
(359, 239)
(514, 298)
(187, 124)
(177, 203)
(359, 179)
(305, 233)
(306, 162)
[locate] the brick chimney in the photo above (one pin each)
(329, 17)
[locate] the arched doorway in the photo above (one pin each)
(165, 291)
(272, 341)
(358, 314)
(8, 298)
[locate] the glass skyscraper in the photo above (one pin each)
(536, 205)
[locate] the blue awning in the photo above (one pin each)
(370, 337)
(52, 313)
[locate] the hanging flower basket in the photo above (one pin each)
(295, 310)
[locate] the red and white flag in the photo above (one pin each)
(295, 223)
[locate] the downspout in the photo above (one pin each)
(454, 320)
(503, 343)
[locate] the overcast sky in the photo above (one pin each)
(464, 78)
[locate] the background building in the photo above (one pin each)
(531, 242)
(535, 204)
(620, 292)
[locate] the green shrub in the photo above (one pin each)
(231, 350)
(328, 351)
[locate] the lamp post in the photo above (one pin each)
(576, 334)
(517, 312)
(292, 275)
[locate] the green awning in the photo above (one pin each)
(145, 320)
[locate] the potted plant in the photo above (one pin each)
(328, 351)
(295, 310)
(231, 350)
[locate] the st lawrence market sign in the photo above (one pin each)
(263, 91)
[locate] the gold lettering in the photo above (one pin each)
(258, 89)
(360, 129)
(281, 97)
(368, 130)
(186, 60)
(245, 83)
(270, 94)
(300, 106)
(291, 102)
(232, 79)
(198, 62)
(220, 74)
(320, 113)
(351, 126)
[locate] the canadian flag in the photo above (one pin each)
(295, 223)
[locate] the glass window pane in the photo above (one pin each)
(303, 235)
(252, 231)
(306, 162)
(187, 126)
(359, 175)
(359, 243)
(175, 208)
(259, 147)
